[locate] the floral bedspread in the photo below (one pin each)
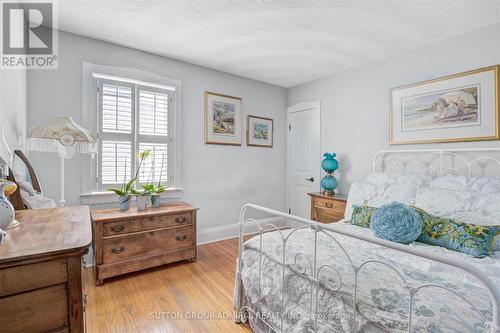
(382, 296)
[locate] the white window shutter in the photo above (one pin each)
(116, 162)
(151, 170)
(116, 108)
(153, 113)
(133, 117)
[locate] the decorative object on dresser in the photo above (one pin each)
(129, 241)
(7, 212)
(64, 136)
(329, 183)
(41, 266)
(222, 119)
(327, 209)
(260, 131)
(460, 107)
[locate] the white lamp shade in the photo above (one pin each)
(62, 135)
(64, 129)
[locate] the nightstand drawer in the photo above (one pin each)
(333, 205)
(145, 223)
(328, 215)
(326, 209)
(146, 244)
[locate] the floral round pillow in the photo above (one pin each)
(396, 222)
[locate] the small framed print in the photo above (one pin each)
(259, 131)
(222, 119)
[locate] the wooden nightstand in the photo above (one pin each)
(327, 209)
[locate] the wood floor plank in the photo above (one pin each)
(174, 298)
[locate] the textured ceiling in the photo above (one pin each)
(277, 41)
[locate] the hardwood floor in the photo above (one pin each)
(167, 298)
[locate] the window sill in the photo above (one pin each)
(109, 197)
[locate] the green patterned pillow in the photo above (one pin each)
(361, 215)
(474, 240)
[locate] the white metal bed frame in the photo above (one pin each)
(417, 158)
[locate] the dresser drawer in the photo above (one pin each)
(146, 223)
(23, 278)
(42, 310)
(145, 244)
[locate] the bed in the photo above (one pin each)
(310, 277)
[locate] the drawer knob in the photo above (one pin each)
(180, 219)
(118, 228)
(329, 205)
(181, 238)
(118, 250)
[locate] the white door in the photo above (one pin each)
(303, 156)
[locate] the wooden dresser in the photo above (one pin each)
(327, 209)
(129, 241)
(41, 282)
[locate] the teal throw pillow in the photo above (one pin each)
(474, 240)
(396, 222)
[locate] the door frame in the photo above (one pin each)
(312, 105)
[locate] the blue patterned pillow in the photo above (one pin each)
(361, 215)
(474, 240)
(396, 222)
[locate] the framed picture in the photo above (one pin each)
(222, 119)
(461, 107)
(259, 131)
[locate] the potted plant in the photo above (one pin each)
(124, 194)
(127, 190)
(142, 198)
(155, 190)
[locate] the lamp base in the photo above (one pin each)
(329, 193)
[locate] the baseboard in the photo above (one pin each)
(215, 234)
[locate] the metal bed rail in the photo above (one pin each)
(242, 310)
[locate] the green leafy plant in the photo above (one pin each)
(128, 188)
(159, 187)
(153, 189)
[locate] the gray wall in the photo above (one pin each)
(217, 179)
(13, 106)
(355, 103)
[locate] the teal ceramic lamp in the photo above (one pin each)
(329, 183)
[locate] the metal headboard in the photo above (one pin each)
(440, 162)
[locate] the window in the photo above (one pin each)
(132, 117)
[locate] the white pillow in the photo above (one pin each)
(379, 189)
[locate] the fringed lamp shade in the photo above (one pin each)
(62, 135)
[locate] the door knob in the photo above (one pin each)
(311, 179)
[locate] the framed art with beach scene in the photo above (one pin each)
(456, 108)
(259, 131)
(222, 119)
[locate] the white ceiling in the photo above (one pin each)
(283, 42)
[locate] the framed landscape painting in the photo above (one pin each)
(461, 107)
(222, 119)
(259, 131)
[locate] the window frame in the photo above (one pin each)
(173, 170)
